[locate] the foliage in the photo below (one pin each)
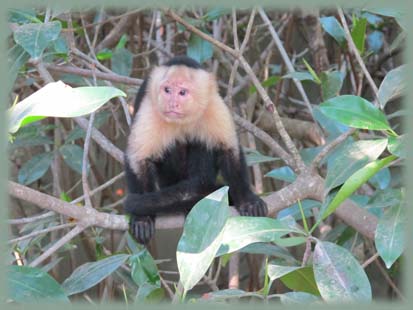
(364, 168)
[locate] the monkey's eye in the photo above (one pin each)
(182, 92)
(167, 89)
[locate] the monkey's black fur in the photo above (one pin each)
(186, 173)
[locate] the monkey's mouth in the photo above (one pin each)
(174, 114)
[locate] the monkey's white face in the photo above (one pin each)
(180, 95)
(175, 96)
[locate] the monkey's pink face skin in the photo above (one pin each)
(176, 101)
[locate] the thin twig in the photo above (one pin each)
(370, 260)
(329, 147)
(100, 188)
(61, 242)
(26, 220)
(356, 53)
(40, 232)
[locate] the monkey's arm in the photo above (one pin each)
(234, 171)
(179, 197)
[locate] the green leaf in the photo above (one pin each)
(292, 298)
(284, 173)
(333, 28)
(339, 276)
(393, 85)
(90, 274)
(201, 238)
(333, 127)
(60, 45)
(356, 112)
(122, 61)
(399, 16)
(16, 58)
(25, 16)
(331, 83)
(34, 38)
(199, 49)
(350, 157)
(223, 295)
(294, 210)
(35, 168)
(355, 181)
(385, 198)
(241, 231)
(358, 33)
(145, 274)
(271, 81)
(269, 250)
(144, 269)
(27, 285)
(253, 157)
(149, 293)
(302, 280)
(389, 236)
(73, 156)
(397, 146)
(382, 179)
(301, 76)
(104, 54)
(312, 72)
(275, 271)
(59, 100)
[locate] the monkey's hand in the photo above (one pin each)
(253, 206)
(142, 228)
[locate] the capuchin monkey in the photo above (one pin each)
(182, 137)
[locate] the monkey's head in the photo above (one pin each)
(181, 94)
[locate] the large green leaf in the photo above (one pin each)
(90, 274)
(35, 168)
(73, 156)
(59, 100)
(201, 238)
(283, 173)
(355, 181)
(350, 157)
(331, 25)
(331, 126)
(356, 112)
(27, 284)
(301, 280)
(199, 49)
(145, 274)
(389, 237)
(241, 231)
(122, 61)
(339, 276)
(393, 85)
(34, 38)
